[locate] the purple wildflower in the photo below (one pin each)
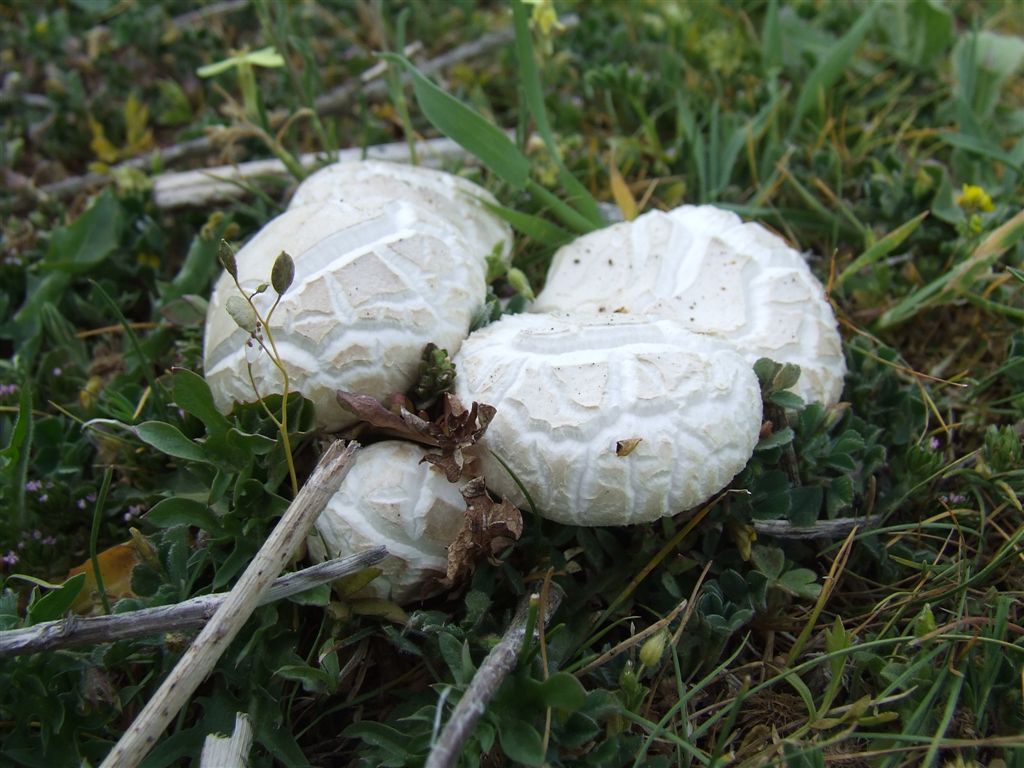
(11, 558)
(33, 486)
(49, 541)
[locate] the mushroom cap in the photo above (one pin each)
(390, 498)
(705, 268)
(371, 183)
(370, 290)
(572, 394)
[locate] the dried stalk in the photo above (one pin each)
(488, 678)
(209, 185)
(201, 657)
(823, 529)
(229, 751)
(190, 614)
(328, 104)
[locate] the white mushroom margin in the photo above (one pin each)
(574, 394)
(704, 267)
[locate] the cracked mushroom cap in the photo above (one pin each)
(609, 420)
(369, 292)
(705, 268)
(389, 498)
(371, 183)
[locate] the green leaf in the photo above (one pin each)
(533, 93)
(192, 393)
(563, 691)
(768, 560)
(771, 38)
(182, 511)
(451, 652)
(55, 604)
(534, 227)
(791, 401)
(320, 595)
(832, 65)
(90, 239)
(313, 680)
(805, 504)
(931, 31)
(882, 248)
(800, 582)
(79, 247)
(379, 735)
(466, 127)
(9, 617)
(775, 440)
(521, 742)
(169, 440)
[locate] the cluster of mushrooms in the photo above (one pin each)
(626, 393)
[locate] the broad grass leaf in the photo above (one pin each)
(533, 93)
(880, 249)
(467, 127)
(534, 227)
(771, 38)
(832, 65)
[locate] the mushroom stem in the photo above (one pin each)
(488, 678)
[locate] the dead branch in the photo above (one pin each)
(188, 615)
(232, 614)
(488, 678)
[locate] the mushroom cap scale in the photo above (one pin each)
(368, 184)
(705, 268)
(369, 292)
(390, 498)
(571, 391)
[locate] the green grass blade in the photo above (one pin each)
(882, 248)
(959, 279)
(771, 38)
(831, 67)
(534, 227)
(533, 93)
(466, 127)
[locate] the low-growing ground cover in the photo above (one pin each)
(885, 139)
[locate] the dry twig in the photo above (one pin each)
(187, 615)
(229, 751)
(488, 678)
(201, 657)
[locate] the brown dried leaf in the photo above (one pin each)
(627, 446)
(453, 432)
(404, 423)
(489, 528)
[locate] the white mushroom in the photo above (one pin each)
(451, 198)
(390, 498)
(705, 268)
(609, 420)
(370, 290)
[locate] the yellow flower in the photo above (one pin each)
(544, 16)
(974, 198)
